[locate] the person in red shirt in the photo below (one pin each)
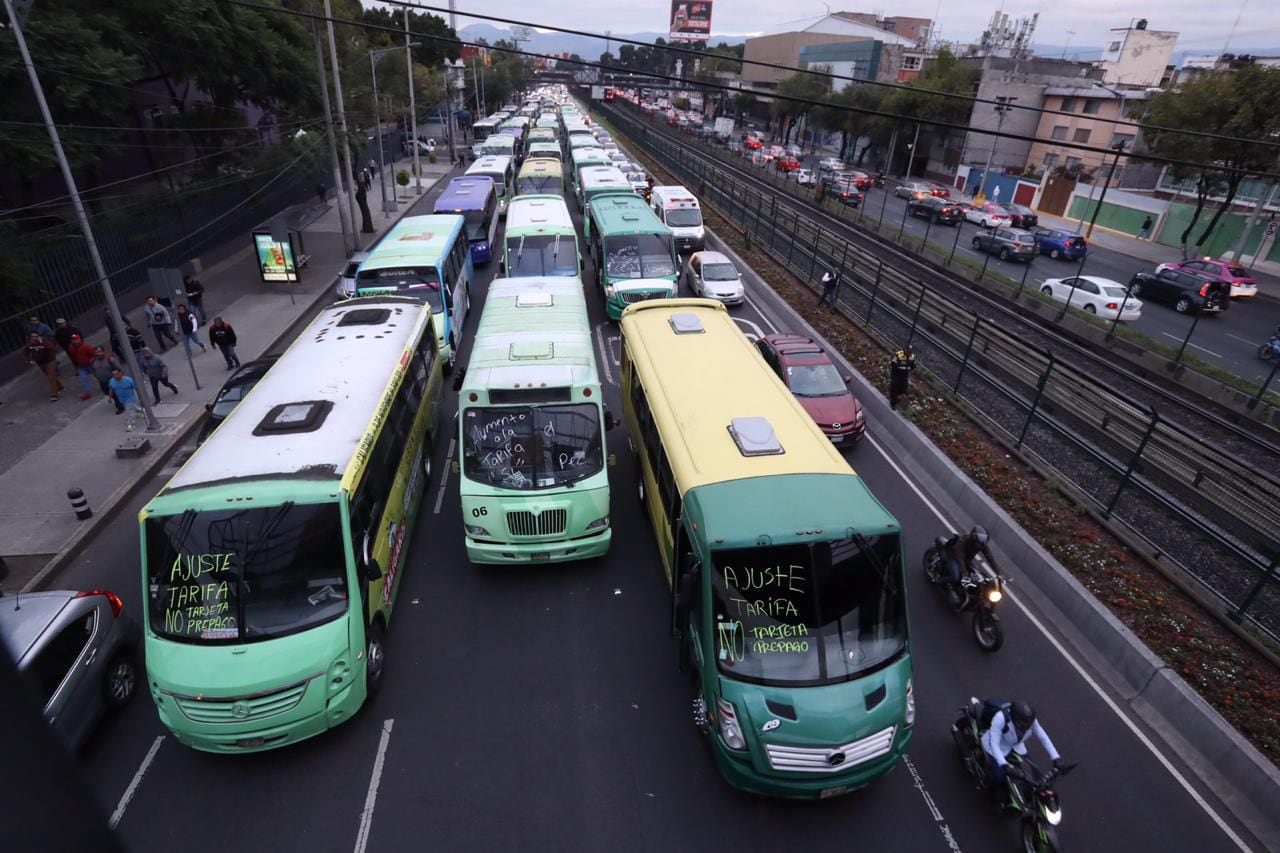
(81, 355)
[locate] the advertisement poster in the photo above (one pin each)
(690, 21)
(275, 260)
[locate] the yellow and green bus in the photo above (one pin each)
(634, 253)
(786, 573)
(540, 175)
(272, 560)
(531, 421)
(544, 133)
(540, 239)
(544, 150)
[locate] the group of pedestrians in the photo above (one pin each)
(100, 369)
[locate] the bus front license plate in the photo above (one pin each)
(540, 556)
(251, 742)
(826, 793)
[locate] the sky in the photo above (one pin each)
(1204, 24)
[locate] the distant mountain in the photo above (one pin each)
(585, 46)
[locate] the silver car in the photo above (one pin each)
(76, 652)
(714, 276)
(346, 287)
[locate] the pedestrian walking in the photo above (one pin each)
(102, 366)
(1144, 233)
(137, 343)
(195, 295)
(125, 393)
(373, 167)
(157, 371)
(42, 354)
(35, 325)
(188, 324)
(111, 330)
(222, 336)
(160, 321)
(322, 192)
(63, 332)
(830, 288)
(901, 367)
(81, 354)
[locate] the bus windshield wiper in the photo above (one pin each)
(520, 250)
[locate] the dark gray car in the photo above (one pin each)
(1008, 243)
(76, 652)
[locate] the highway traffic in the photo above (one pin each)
(541, 707)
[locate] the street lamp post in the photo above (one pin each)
(413, 106)
(1004, 105)
(1119, 149)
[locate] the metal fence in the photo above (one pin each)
(1207, 511)
(63, 278)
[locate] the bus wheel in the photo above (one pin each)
(375, 658)
(426, 459)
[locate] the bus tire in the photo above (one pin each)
(375, 658)
(426, 459)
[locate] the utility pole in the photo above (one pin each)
(1001, 108)
(1119, 148)
(413, 106)
(349, 176)
(1263, 198)
(344, 215)
(130, 365)
(448, 111)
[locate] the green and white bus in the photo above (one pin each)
(597, 180)
(587, 157)
(634, 253)
(531, 421)
(545, 151)
(272, 560)
(540, 175)
(540, 239)
(503, 171)
(786, 573)
(542, 134)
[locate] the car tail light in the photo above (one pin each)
(1111, 306)
(116, 604)
(1204, 290)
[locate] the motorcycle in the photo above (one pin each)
(879, 179)
(1271, 349)
(1030, 792)
(977, 591)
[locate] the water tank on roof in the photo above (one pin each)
(1141, 25)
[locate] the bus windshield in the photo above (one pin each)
(420, 282)
(477, 222)
(542, 255)
(245, 575)
(538, 184)
(638, 256)
(811, 613)
(535, 447)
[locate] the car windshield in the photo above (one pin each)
(684, 217)
(230, 396)
(538, 184)
(536, 447)
(814, 613)
(719, 272)
(543, 254)
(422, 283)
(639, 256)
(245, 575)
(815, 380)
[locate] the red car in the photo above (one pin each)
(786, 163)
(807, 370)
(753, 144)
(862, 180)
(940, 191)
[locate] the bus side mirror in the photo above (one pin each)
(372, 571)
(609, 420)
(457, 380)
(688, 590)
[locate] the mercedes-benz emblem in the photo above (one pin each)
(835, 759)
(240, 710)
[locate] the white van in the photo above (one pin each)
(679, 210)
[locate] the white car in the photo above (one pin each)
(714, 276)
(988, 215)
(805, 177)
(346, 287)
(427, 147)
(1094, 295)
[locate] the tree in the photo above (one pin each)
(788, 112)
(1238, 104)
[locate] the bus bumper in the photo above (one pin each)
(583, 548)
(740, 772)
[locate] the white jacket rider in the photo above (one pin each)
(1004, 736)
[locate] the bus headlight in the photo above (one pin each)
(476, 530)
(609, 291)
(599, 523)
(729, 728)
(339, 674)
(910, 716)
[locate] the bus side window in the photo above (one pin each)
(427, 356)
(667, 489)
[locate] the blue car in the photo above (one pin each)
(1057, 243)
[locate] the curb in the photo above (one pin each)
(1242, 778)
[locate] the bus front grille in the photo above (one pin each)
(630, 296)
(551, 522)
(241, 709)
(834, 759)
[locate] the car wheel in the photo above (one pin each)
(1135, 289)
(1047, 291)
(933, 219)
(1090, 309)
(1004, 254)
(986, 224)
(121, 681)
(1183, 305)
(977, 244)
(375, 658)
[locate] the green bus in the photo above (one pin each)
(598, 180)
(545, 151)
(540, 175)
(587, 157)
(634, 253)
(531, 421)
(542, 133)
(540, 239)
(786, 574)
(272, 560)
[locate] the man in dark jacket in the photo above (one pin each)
(222, 336)
(195, 296)
(111, 330)
(63, 332)
(901, 366)
(42, 354)
(137, 343)
(157, 371)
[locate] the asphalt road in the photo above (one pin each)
(541, 709)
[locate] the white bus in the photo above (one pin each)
(502, 170)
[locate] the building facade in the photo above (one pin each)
(1137, 56)
(864, 60)
(1094, 113)
(783, 46)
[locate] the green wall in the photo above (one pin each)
(1117, 217)
(1224, 236)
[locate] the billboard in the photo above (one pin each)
(275, 260)
(690, 21)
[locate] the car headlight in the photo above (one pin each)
(599, 523)
(729, 728)
(910, 716)
(476, 530)
(609, 291)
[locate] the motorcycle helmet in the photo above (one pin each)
(1024, 716)
(979, 535)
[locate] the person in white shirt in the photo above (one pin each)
(1010, 728)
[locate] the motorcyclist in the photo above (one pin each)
(959, 552)
(1010, 727)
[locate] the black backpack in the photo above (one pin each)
(989, 709)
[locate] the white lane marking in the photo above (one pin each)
(763, 316)
(604, 356)
(755, 329)
(1197, 346)
(1242, 340)
(918, 783)
(1097, 688)
(613, 343)
(137, 780)
(444, 476)
(366, 816)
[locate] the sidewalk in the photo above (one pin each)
(50, 447)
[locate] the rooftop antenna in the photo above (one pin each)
(1070, 35)
(1232, 34)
